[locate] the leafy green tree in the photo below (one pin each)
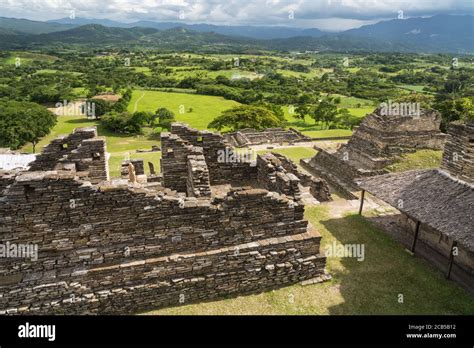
(325, 111)
(23, 122)
(164, 118)
(347, 120)
(123, 122)
(302, 110)
(101, 107)
(246, 116)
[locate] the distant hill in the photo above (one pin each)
(443, 34)
(26, 26)
(255, 32)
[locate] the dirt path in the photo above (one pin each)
(135, 107)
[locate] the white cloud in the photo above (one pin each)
(345, 13)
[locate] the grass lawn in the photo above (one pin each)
(293, 153)
(371, 286)
(28, 57)
(328, 133)
(205, 108)
(421, 159)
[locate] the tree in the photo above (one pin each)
(165, 118)
(246, 116)
(23, 122)
(325, 111)
(99, 107)
(347, 120)
(302, 111)
(123, 122)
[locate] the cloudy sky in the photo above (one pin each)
(324, 14)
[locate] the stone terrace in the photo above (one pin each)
(375, 144)
(124, 246)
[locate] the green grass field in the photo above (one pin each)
(205, 108)
(422, 159)
(371, 286)
(293, 153)
(28, 57)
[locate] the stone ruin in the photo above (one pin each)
(375, 144)
(206, 229)
(248, 137)
(81, 152)
(435, 206)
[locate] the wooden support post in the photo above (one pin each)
(361, 202)
(417, 230)
(451, 259)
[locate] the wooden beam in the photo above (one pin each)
(417, 230)
(361, 202)
(451, 259)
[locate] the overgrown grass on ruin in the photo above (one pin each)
(422, 159)
(368, 287)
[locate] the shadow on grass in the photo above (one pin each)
(386, 275)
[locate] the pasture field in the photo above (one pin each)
(204, 108)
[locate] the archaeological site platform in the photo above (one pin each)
(203, 228)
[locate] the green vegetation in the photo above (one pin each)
(294, 153)
(240, 117)
(422, 159)
(367, 287)
(204, 108)
(23, 122)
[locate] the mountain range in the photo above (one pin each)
(441, 33)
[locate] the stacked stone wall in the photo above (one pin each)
(117, 249)
(81, 151)
(458, 157)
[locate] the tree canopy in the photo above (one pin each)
(23, 122)
(246, 116)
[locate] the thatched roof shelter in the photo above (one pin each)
(433, 197)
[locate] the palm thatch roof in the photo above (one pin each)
(432, 197)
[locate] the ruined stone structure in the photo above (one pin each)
(248, 136)
(82, 152)
(440, 202)
(211, 228)
(375, 144)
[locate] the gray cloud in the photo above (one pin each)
(318, 13)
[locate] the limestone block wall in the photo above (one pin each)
(440, 244)
(458, 156)
(319, 187)
(275, 178)
(245, 137)
(138, 164)
(213, 145)
(117, 249)
(81, 151)
(198, 177)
